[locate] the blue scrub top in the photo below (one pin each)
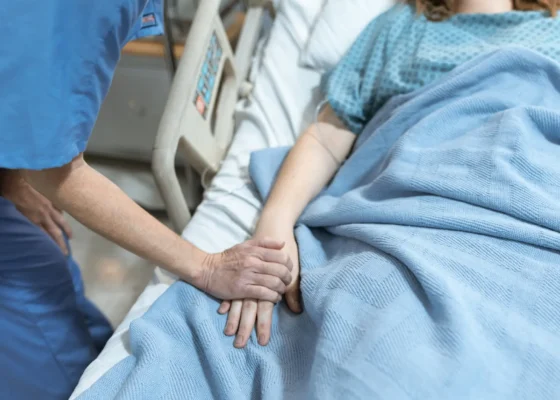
(57, 60)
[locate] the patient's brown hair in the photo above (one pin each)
(438, 10)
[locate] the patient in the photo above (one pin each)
(401, 51)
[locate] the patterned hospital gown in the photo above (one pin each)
(401, 51)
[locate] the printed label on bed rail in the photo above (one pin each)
(207, 78)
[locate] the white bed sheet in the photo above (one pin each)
(283, 103)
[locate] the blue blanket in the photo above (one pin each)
(430, 265)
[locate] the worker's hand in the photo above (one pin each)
(244, 313)
(37, 208)
(257, 269)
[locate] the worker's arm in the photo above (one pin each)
(256, 269)
(309, 166)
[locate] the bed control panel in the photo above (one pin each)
(208, 77)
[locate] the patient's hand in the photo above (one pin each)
(243, 314)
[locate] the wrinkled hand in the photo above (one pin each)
(37, 208)
(243, 314)
(257, 269)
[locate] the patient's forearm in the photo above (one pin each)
(310, 165)
(101, 206)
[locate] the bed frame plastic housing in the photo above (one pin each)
(198, 120)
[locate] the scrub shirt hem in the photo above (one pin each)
(37, 164)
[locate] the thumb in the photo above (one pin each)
(269, 243)
(293, 300)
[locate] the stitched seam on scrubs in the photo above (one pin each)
(60, 365)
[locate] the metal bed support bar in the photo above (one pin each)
(198, 117)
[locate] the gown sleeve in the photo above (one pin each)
(345, 86)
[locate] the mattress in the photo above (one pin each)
(282, 105)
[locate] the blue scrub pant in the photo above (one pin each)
(49, 331)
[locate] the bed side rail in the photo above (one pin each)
(198, 117)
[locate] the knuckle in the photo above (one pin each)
(245, 329)
(251, 262)
(236, 262)
(269, 253)
(281, 287)
(262, 326)
(278, 284)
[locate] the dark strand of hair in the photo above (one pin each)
(439, 10)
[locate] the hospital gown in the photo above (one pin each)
(401, 51)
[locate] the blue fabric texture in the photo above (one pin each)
(400, 52)
(56, 69)
(429, 265)
(50, 332)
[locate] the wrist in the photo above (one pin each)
(191, 263)
(274, 225)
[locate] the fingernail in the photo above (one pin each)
(229, 329)
(262, 340)
(238, 340)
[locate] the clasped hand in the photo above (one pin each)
(244, 314)
(255, 269)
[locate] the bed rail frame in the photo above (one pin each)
(198, 120)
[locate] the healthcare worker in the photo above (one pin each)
(57, 59)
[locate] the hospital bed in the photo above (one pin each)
(263, 96)
(267, 100)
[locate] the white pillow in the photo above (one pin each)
(302, 15)
(337, 28)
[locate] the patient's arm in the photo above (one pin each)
(310, 165)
